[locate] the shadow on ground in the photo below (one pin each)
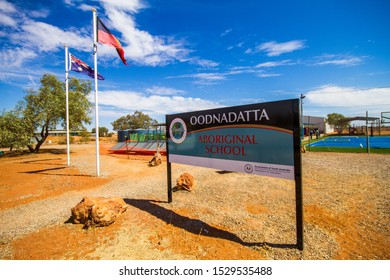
(194, 226)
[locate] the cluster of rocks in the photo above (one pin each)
(98, 211)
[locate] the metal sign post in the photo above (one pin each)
(169, 170)
(298, 177)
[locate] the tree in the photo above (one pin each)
(85, 136)
(44, 109)
(337, 121)
(137, 120)
(13, 132)
(103, 131)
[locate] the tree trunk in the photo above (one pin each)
(39, 144)
(44, 133)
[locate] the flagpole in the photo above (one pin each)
(96, 92)
(67, 103)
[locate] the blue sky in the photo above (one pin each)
(201, 54)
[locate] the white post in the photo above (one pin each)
(96, 91)
(67, 103)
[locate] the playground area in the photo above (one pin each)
(142, 148)
(229, 215)
(140, 141)
(374, 142)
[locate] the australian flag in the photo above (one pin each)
(81, 67)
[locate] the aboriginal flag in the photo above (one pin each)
(106, 37)
(79, 66)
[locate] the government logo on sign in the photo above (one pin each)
(248, 168)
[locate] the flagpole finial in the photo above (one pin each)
(93, 10)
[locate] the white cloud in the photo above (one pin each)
(26, 39)
(204, 78)
(268, 75)
(158, 90)
(11, 58)
(226, 32)
(215, 77)
(132, 6)
(239, 45)
(43, 13)
(46, 37)
(338, 59)
(7, 7)
(348, 101)
(69, 2)
(157, 105)
(13, 77)
(85, 7)
(7, 14)
(7, 20)
(140, 46)
(273, 48)
(37, 35)
(275, 63)
(204, 63)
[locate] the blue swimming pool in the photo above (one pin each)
(353, 142)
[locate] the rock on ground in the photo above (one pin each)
(98, 211)
(186, 181)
